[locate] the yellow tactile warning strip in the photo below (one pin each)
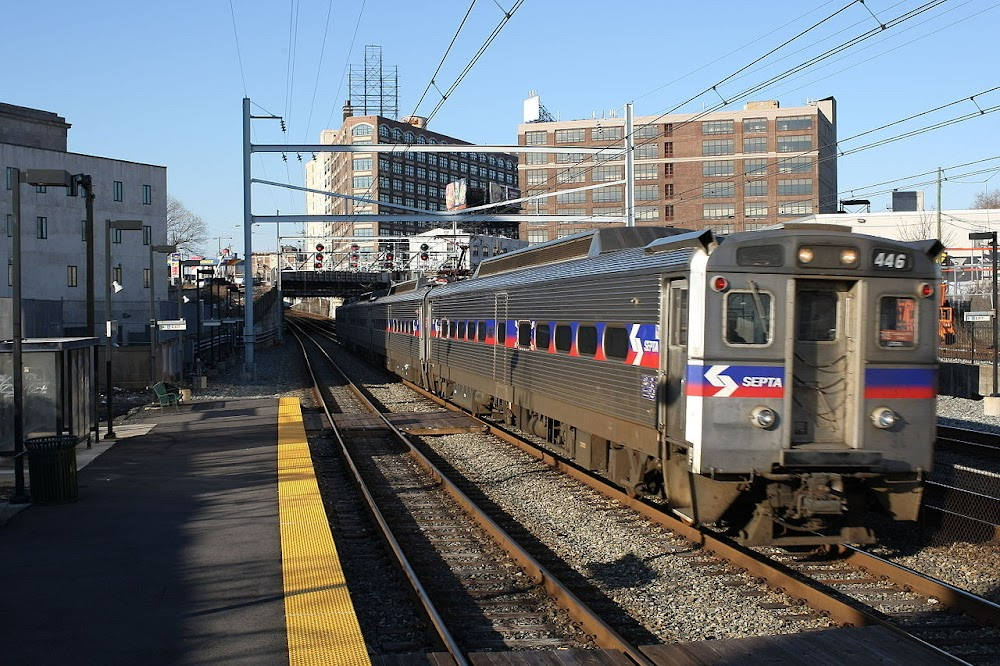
(319, 616)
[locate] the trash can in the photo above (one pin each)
(52, 469)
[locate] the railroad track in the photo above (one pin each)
(479, 589)
(849, 586)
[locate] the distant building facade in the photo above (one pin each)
(727, 170)
(53, 257)
(394, 181)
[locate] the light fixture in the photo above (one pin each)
(884, 418)
(116, 286)
(764, 417)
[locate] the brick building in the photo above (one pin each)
(727, 170)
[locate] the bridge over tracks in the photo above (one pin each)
(344, 284)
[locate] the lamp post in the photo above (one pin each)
(123, 225)
(992, 237)
(47, 177)
(197, 332)
(153, 249)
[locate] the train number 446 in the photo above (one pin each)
(894, 260)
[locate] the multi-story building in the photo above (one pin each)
(54, 249)
(392, 182)
(726, 170)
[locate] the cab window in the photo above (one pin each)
(748, 318)
(817, 316)
(897, 321)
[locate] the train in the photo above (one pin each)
(776, 385)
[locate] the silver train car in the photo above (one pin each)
(778, 384)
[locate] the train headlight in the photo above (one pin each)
(806, 255)
(884, 418)
(764, 417)
(849, 257)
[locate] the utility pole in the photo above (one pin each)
(939, 205)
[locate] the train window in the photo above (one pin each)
(817, 316)
(524, 334)
(897, 321)
(586, 340)
(444, 328)
(481, 331)
(564, 338)
(679, 318)
(543, 336)
(461, 330)
(748, 318)
(501, 332)
(616, 342)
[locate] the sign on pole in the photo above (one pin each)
(172, 325)
(979, 316)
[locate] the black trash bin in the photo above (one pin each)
(52, 469)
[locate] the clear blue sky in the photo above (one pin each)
(162, 83)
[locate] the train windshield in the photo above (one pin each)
(748, 318)
(897, 321)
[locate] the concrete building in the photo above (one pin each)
(53, 241)
(726, 170)
(392, 182)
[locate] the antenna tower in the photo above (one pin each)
(373, 91)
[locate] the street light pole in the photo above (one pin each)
(124, 225)
(153, 249)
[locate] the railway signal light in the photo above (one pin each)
(318, 264)
(319, 258)
(424, 256)
(319, 247)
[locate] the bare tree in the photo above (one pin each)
(924, 228)
(987, 199)
(185, 229)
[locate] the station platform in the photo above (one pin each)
(199, 537)
(173, 552)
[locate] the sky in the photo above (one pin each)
(163, 83)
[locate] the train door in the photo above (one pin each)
(501, 368)
(673, 363)
(824, 338)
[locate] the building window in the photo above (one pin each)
(383, 131)
(755, 126)
(41, 189)
(362, 164)
(668, 168)
(668, 212)
(116, 274)
(362, 182)
(83, 230)
(797, 186)
(647, 192)
(615, 211)
(647, 213)
(563, 158)
(147, 195)
(755, 209)
(795, 165)
(535, 139)
(755, 144)
(536, 176)
(603, 174)
(719, 190)
(608, 194)
(718, 211)
(647, 151)
(571, 197)
(668, 190)
(647, 132)
(145, 278)
(397, 168)
(71, 279)
(794, 208)
(536, 236)
(645, 172)
(10, 272)
(532, 158)
(409, 187)
(575, 175)
(576, 135)
(118, 191)
(410, 170)
(794, 144)
(10, 178)
(10, 226)
(42, 227)
(755, 167)
(717, 168)
(716, 147)
(147, 235)
(116, 237)
(793, 123)
(717, 127)
(755, 188)
(599, 133)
